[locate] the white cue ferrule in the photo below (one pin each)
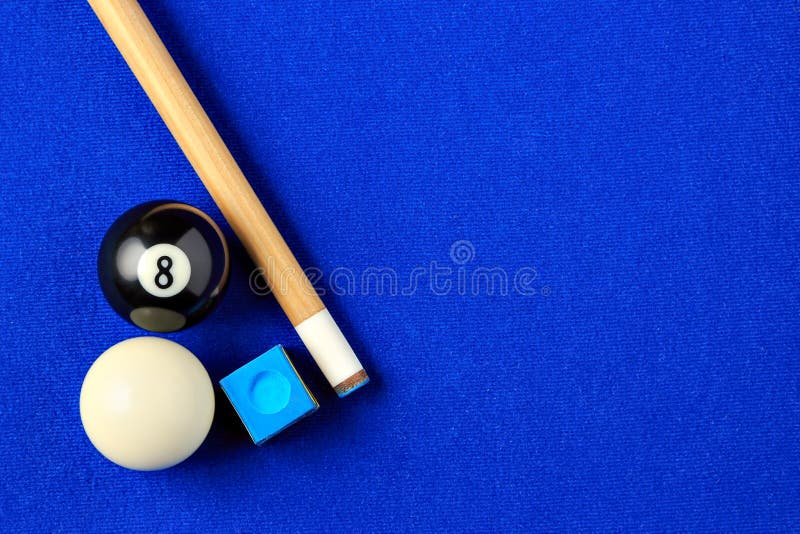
(332, 352)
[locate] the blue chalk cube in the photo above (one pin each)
(268, 394)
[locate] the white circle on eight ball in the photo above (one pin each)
(164, 270)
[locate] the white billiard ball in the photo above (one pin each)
(147, 403)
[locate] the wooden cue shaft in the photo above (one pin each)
(151, 63)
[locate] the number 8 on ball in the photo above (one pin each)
(163, 266)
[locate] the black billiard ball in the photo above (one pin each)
(163, 265)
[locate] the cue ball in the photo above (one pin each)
(147, 403)
(163, 265)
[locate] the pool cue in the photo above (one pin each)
(159, 76)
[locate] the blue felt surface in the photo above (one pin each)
(638, 163)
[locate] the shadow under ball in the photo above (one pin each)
(163, 265)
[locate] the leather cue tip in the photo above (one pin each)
(352, 383)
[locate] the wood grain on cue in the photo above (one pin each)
(159, 76)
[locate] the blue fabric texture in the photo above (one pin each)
(563, 239)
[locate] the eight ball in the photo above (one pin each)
(163, 265)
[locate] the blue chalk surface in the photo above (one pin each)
(268, 394)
